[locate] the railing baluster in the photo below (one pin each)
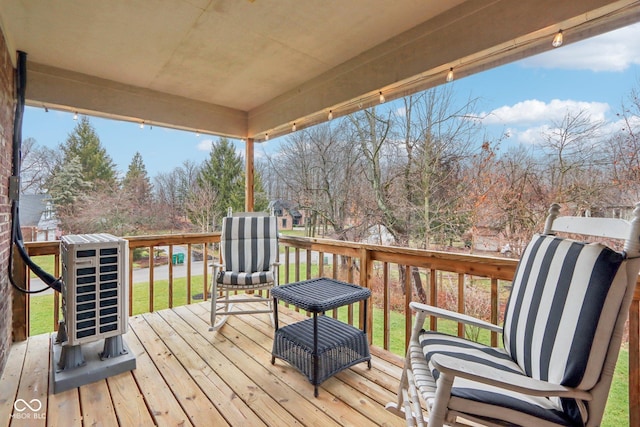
(205, 271)
(189, 273)
(433, 295)
(494, 310)
(407, 301)
(131, 281)
(170, 276)
(461, 308)
(56, 294)
(386, 298)
(151, 281)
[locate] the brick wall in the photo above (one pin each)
(7, 109)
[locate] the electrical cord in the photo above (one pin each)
(14, 190)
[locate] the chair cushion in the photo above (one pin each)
(559, 319)
(565, 295)
(489, 402)
(231, 278)
(249, 244)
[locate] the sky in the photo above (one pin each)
(521, 99)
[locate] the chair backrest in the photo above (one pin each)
(569, 301)
(249, 243)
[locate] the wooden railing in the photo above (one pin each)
(444, 278)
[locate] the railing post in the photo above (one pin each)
(20, 301)
(634, 362)
(366, 275)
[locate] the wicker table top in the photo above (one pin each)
(319, 295)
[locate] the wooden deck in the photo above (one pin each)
(186, 375)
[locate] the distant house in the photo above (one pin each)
(287, 213)
(379, 235)
(37, 219)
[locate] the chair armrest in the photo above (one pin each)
(452, 315)
(485, 374)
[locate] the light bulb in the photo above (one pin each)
(381, 98)
(142, 125)
(330, 116)
(293, 128)
(197, 134)
(450, 75)
(557, 39)
(75, 116)
(266, 136)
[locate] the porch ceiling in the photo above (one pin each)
(243, 68)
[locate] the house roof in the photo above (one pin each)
(247, 68)
(287, 205)
(31, 208)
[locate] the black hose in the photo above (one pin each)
(16, 233)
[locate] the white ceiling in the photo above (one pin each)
(247, 67)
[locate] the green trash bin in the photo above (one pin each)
(177, 258)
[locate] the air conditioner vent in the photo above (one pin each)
(94, 294)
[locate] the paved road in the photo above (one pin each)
(141, 275)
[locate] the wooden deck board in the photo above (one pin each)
(10, 380)
(34, 383)
(187, 375)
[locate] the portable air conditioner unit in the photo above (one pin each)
(89, 345)
(94, 291)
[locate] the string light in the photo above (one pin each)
(330, 116)
(557, 39)
(293, 128)
(75, 116)
(450, 75)
(197, 133)
(382, 98)
(266, 136)
(142, 124)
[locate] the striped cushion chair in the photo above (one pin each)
(562, 332)
(248, 253)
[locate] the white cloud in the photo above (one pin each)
(205, 145)
(613, 51)
(534, 111)
(529, 136)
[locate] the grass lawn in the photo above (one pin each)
(616, 413)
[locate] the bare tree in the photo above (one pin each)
(36, 167)
(171, 190)
(572, 147)
(322, 172)
(624, 151)
(200, 204)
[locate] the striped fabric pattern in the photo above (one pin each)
(560, 290)
(565, 296)
(483, 400)
(249, 246)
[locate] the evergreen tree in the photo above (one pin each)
(223, 173)
(136, 190)
(83, 143)
(261, 199)
(68, 185)
(67, 188)
(136, 182)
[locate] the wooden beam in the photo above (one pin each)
(249, 177)
(20, 301)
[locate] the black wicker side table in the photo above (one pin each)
(321, 346)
